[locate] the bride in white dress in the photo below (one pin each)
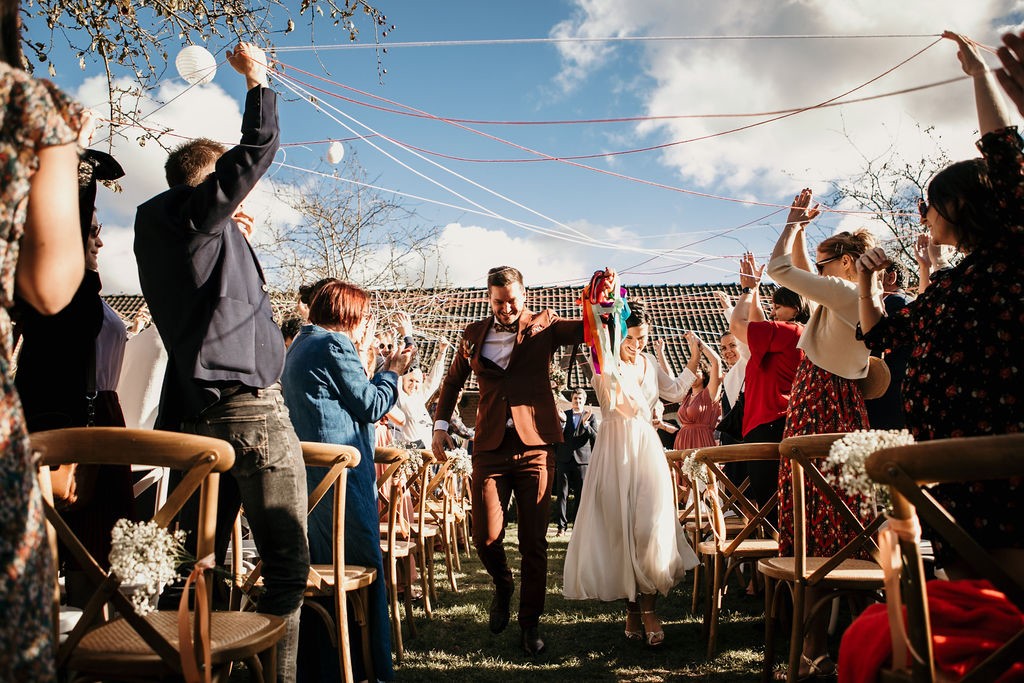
(627, 541)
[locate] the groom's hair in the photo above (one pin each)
(503, 276)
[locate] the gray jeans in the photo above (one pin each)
(269, 481)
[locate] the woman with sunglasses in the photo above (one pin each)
(826, 397)
(963, 375)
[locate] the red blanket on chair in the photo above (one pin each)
(970, 620)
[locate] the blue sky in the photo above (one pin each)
(529, 82)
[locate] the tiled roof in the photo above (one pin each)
(671, 310)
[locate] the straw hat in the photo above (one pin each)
(877, 381)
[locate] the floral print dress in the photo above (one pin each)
(33, 115)
(964, 334)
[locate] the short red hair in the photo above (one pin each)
(339, 304)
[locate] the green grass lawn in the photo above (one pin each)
(585, 640)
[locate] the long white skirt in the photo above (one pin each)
(627, 538)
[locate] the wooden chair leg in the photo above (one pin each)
(425, 560)
(341, 630)
(268, 660)
(768, 665)
(451, 553)
(410, 563)
(391, 569)
(796, 642)
(696, 585)
(359, 601)
(715, 603)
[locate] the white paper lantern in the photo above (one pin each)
(336, 152)
(196, 65)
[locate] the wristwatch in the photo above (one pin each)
(748, 290)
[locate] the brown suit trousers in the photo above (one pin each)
(528, 472)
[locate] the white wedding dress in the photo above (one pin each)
(627, 538)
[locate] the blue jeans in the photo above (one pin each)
(269, 481)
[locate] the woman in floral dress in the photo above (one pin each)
(38, 239)
(964, 371)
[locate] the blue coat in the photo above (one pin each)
(332, 401)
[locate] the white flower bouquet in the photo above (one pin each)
(412, 466)
(145, 556)
(845, 465)
(694, 470)
(461, 462)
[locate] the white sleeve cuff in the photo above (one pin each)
(440, 424)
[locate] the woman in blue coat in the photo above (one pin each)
(332, 400)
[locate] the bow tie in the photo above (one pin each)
(502, 327)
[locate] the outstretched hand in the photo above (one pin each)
(801, 212)
(750, 273)
(1011, 76)
(872, 261)
(251, 62)
(970, 59)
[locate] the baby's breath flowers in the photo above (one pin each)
(146, 556)
(845, 464)
(461, 462)
(694, 470)
(412, 466)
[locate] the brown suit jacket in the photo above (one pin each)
(522, 391)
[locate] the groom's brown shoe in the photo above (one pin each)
(500, 610)
(531, 641)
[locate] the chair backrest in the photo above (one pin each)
(201, 459)
(391, 488)
(803, 452)
(338, 460)
(675, 459)
(907, 470)
(726, 494)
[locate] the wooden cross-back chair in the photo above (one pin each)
(149, 647)
(695, 516)
(908, 470)
(439, 508)
(399, 553)
(324, 579)
(840, 574)
(728, 548)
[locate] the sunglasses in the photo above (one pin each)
(820, 265)
(922, 207)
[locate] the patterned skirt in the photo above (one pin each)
(821, 403)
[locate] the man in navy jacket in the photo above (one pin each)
(572, 456)
(208, 297)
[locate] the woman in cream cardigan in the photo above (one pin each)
(825, 395)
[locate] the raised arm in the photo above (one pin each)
(659, 353)
(870, 305)
(714, 382)
(52, 259)
(748, 307)
(433, 379)
(992, 113)
(693, 343)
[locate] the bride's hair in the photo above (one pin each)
(637, 313)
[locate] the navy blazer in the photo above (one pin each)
(201, 278)
(577, 440)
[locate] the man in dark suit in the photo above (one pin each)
(516, 427)
(208, 297)
(572, 457)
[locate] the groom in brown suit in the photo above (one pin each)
(516, 426)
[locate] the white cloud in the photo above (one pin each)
(740, 76)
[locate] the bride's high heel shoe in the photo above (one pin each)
(637, 634)
(654, 638)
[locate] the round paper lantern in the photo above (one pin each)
(336, 152)
(196, 65)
